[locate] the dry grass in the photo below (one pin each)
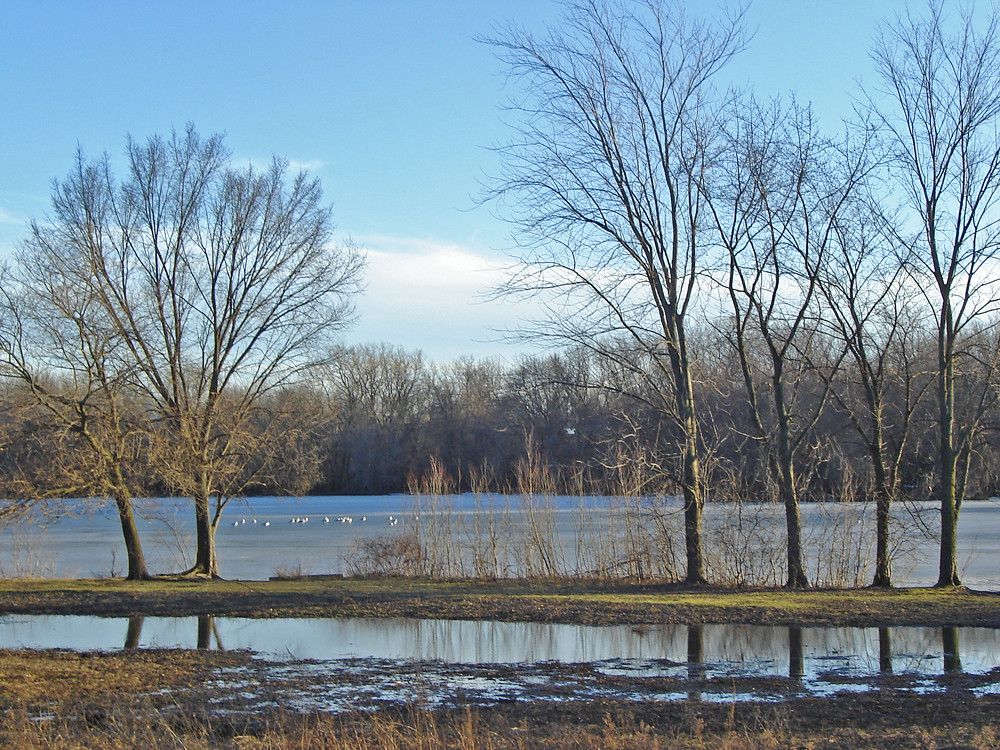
(621, 727)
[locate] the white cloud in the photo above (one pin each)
(430, 295)
(420, 267)
(315, 165)
(9, 218)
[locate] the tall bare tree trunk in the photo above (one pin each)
(691, 486)
(206, 562)
(693, 504)
(948, 562)
(883, 562)
(602, 178)
(786, 490)
(137, 570)
(943, 76)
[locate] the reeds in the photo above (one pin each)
(529, 530)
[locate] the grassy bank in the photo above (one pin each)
(537, 601)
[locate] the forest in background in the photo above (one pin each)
(376, 417)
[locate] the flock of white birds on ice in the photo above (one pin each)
(391, 520)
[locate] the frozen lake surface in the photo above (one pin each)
(261, 537)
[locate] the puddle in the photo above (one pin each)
(352, 664)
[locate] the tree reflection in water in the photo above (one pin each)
(207, 630)
(134, 632)
(884, 651)
(952, 656)
(796, 663)
(698, 653)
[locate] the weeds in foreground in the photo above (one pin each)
(416, 728)
(291, 572)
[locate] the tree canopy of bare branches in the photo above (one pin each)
(939, 109)
(214, 284)
(600, 181)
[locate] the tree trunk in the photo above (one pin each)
(692, 517)
(793, 527)
(948, 563)
(883, 565)
(137, 570)
(206, 563)
(786, 488)
(883, 504)
(691, 481)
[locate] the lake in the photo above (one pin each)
(261, 537)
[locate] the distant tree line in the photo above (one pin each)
(374, 418)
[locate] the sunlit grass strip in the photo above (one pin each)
(573, 601)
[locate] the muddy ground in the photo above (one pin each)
(158, 698)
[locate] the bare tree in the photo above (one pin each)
(776, 193)
(869, 308)
(939, 108)
(55, 341)
(601, 182)
(221, 283)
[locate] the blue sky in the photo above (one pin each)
(392, 103)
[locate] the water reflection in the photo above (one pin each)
(884, 651)
(207, 632)
(695, 659)
(796, 660)
(696, 652)
(442, 661)
(952, 654)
